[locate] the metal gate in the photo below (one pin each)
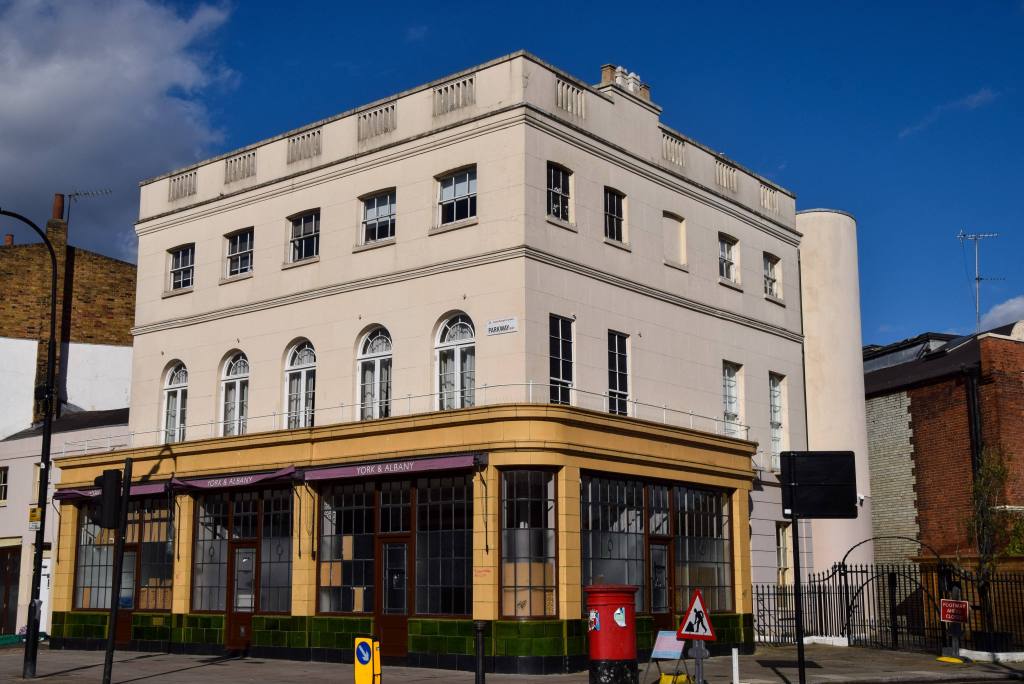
(893, 607)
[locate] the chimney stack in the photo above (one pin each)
(9, 240)
(58, 207)
(627, 80)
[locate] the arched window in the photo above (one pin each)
(235, 393)
(300, 381)
(374, 370)
(175, 403)
(456, 363)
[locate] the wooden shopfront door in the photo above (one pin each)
(242, 586)
(10, 569)
(661, 586)
(395, 597)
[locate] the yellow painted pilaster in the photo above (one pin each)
(62, 593)
(570, 600)
(486, 526)
(303, 547)
(740, 504)
(183, 527)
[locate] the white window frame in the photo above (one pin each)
(728, 262)
(176, 388)
(460, 395)
(772, 281)
(296, 243)
(617, 220)
(776, 418)
(234, 412)
(388, 220)
(299, 366)
(234, 254)
(375, 352)
(561, 191)
(452, 199)
(784, 552)
(178, 270)
(731, 402)
(559, 382)
(618, 394)
(5, 474)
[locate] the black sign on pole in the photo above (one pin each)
(815, 484)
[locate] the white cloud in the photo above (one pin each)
(101, 94)
(1010, 311)
(975, 100)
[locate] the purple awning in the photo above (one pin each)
(230, 481)
(144, 489)
(401, 467)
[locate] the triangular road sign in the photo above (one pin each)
(696, 623)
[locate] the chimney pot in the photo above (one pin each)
(8, 240)
(58, 207)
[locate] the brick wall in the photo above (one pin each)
(942, 455)
(891, 460)
(95, 296)
(1002, 407)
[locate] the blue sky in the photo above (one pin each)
(907, 115)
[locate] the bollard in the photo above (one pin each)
(611, 633)
(735, 666)
(479, 626)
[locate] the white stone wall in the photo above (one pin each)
(893, 483)
(99, 376)
(17, 377)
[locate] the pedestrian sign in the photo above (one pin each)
(696, 623)
(366, 667)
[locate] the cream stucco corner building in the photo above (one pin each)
(452, 356)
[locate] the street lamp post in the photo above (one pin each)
(28, 670)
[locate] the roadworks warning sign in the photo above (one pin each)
(696, 623)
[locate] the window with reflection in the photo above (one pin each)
(345, 565)
(612, 532)
(456, 363)
(703, 548)
(300, 381)
(175, 403)
(235, 395)
(444, 545)
(528, 543)
(147, 570)
(375, 375)
(243, 527)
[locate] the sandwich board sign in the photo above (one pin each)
(696, 623)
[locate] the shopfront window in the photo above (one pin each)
(703, 548)
(346, 549)
(612, 533)
(235, 532)
(444, 545)
(528, 543)
(666, 540)
(147, 571)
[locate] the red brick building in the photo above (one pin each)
(933, 403)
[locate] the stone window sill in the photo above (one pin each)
(677, 265)
(235, 278)
(464, 223)
(175, 293)
(565, 225)
(775, 300)
(624, 246)
(296, 264)
(732, 285)
(373, 245)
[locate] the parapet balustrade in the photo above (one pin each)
(418, 404)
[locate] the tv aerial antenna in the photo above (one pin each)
(976, 238)
(81, 194)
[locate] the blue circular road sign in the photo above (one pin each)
(363, 653)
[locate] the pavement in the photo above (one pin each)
(767, 666)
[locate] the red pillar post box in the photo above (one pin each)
(611, 633)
